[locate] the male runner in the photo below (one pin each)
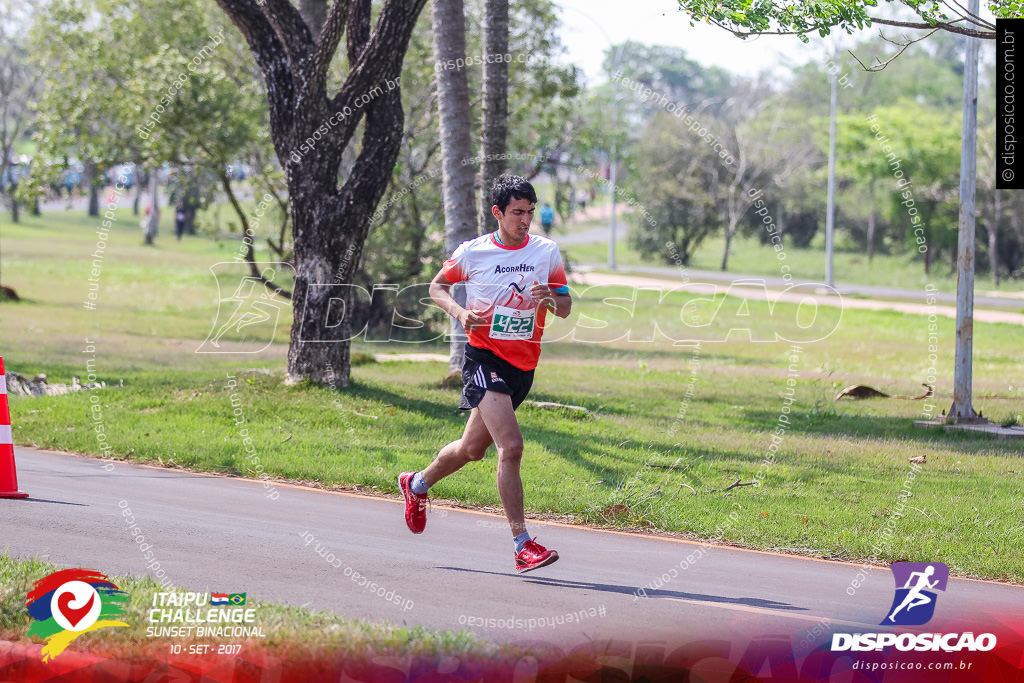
(512, 279)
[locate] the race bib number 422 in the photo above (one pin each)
(512, 323)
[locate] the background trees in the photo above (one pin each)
(369, 186)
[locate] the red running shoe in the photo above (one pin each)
(415, 504)
(533, 556)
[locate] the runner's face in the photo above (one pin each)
(514, 224)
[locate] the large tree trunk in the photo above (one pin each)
(449, 27)
(152, 226)
(871, 223)
(138, 189)
(91, 173)
(495, 104)
(729, 231)
(993, 239)
(310, 132)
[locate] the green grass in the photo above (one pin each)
(298, 633)
(650, 458)
(749, 257)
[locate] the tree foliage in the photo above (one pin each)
(757, 17)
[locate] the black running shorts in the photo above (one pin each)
(485, 371)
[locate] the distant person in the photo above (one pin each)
(547, 217)
(179, 221)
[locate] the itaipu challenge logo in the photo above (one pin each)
(69, 603)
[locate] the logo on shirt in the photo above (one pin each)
(521, 268)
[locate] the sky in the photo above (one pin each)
(589, 27)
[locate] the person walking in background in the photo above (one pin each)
(179, 220)
(547, 217)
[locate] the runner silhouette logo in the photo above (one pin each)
(916, 583)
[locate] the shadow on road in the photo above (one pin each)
(31, 499)
(630, 590)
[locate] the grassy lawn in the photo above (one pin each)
(748, 256)
(672, 425)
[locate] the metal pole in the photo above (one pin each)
(611, 225)
(831, 208)
(962, 409)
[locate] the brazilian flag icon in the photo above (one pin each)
(237, 599)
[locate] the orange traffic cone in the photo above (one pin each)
(8, 474)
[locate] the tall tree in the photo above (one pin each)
(18, 87)
(673, 190)
(495, 103)
(310, 131)
(407, 241)
(456, 142)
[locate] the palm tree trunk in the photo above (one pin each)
(871, 224)
(460, 224)
(495, 106)
(993, 240)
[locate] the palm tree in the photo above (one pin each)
(449, 28)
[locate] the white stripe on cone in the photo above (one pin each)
(5, 435)
(3, 384)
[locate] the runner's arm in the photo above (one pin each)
(560, 304)
(441, 293)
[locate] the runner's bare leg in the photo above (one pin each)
(500, 419)
(472, 446)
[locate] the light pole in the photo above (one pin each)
(962, 410)
(611, 223)
(831, 207)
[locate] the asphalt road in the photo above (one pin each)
(222, 534)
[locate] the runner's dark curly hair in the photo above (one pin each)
(508, 187)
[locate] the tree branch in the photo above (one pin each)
(737, 484)
(291, 30)
(247, 232)
(269, 53)
(944, 25)
(950, 26)
(881, 65)
(971, 16)
(327, 45)
(358, 29)
(379, 58)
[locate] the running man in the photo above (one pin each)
(512, 280)
(914, 596)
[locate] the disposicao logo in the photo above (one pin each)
(71, 602)
(914, 605)
(913, 583)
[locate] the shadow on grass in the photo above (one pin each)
(582, 351)
(584, 451)
(631, 590)
(879, 427)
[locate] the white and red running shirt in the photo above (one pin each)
(498, 281)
